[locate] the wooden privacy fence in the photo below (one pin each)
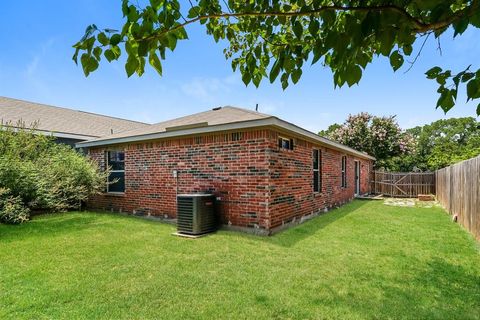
(403, 184)
(458, 191)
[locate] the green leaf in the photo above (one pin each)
(407, 49)
(246, 77)
(103, 39)
(473, 89)
(446, 101)
(141, 66)
(172, 41)
(193, 12)
(353, 75)
(125, 8)
(386, 38)
(75, 55)
(396, 60)
(475, 19)
(97, 52)
(318, 51)
(156, 4)
(116, 50)
(284, 80)
(89, 44)
(478, 110)
(313, 27)
(256, 80)
(93, 65)
(433, 72)
(460, 26)
(298, 29)
(288, 63)
(143, 48)
(155, 62)
(84, 59)
(115, 39)
(467, 76)
(296, 74)
(275, 70)
(89, 64)
(131, 65)
(109, 55)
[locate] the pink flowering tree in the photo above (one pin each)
(380, 137)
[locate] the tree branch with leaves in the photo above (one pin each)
(276, 39)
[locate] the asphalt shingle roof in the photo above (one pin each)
(216, 116)
(62, 120)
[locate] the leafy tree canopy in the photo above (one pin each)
(440, 144)
(380, 137)
(276, 39)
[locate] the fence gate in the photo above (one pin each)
(403, 184)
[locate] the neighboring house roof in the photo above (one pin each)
(215, 120)
(62, 122)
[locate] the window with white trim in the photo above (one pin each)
(237, 136)
(317, 173)
(285, 143)
(116, 176)
(344, 171)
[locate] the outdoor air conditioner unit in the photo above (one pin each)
(195, 214)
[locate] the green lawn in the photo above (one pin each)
(364, 260)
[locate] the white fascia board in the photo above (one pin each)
(177, 133)
(267, 122)
(323, 141)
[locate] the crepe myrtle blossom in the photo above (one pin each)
(380, 137)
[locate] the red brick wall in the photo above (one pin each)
(235, 171)
(258, 184)
(291, 181)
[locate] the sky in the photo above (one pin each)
(35, 65)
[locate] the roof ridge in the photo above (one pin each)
(249, 111)
(186, 116)
(74, 110)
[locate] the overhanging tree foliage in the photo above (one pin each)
(275, 39)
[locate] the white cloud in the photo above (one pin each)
(32, 66)
(209, 90)
(31, 70)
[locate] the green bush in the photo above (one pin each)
(44, 175)
(12, 209)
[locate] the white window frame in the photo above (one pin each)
(290, 143)
(116, 171)
(318, 170)
(344, 171)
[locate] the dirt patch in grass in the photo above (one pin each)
(410, 202)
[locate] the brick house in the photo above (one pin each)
(265, 172)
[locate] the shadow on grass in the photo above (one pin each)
(445, 291)
(63, 223)
(440, 290)
(46, 225)
(291, 236)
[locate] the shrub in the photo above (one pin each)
(44, 175)
(12, 209)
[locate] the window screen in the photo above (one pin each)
(116, 177)
(317, 174)
(344, 171)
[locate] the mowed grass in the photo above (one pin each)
(364, 260)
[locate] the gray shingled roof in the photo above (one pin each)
(216, 116)
(62, 120)
(215, 120)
